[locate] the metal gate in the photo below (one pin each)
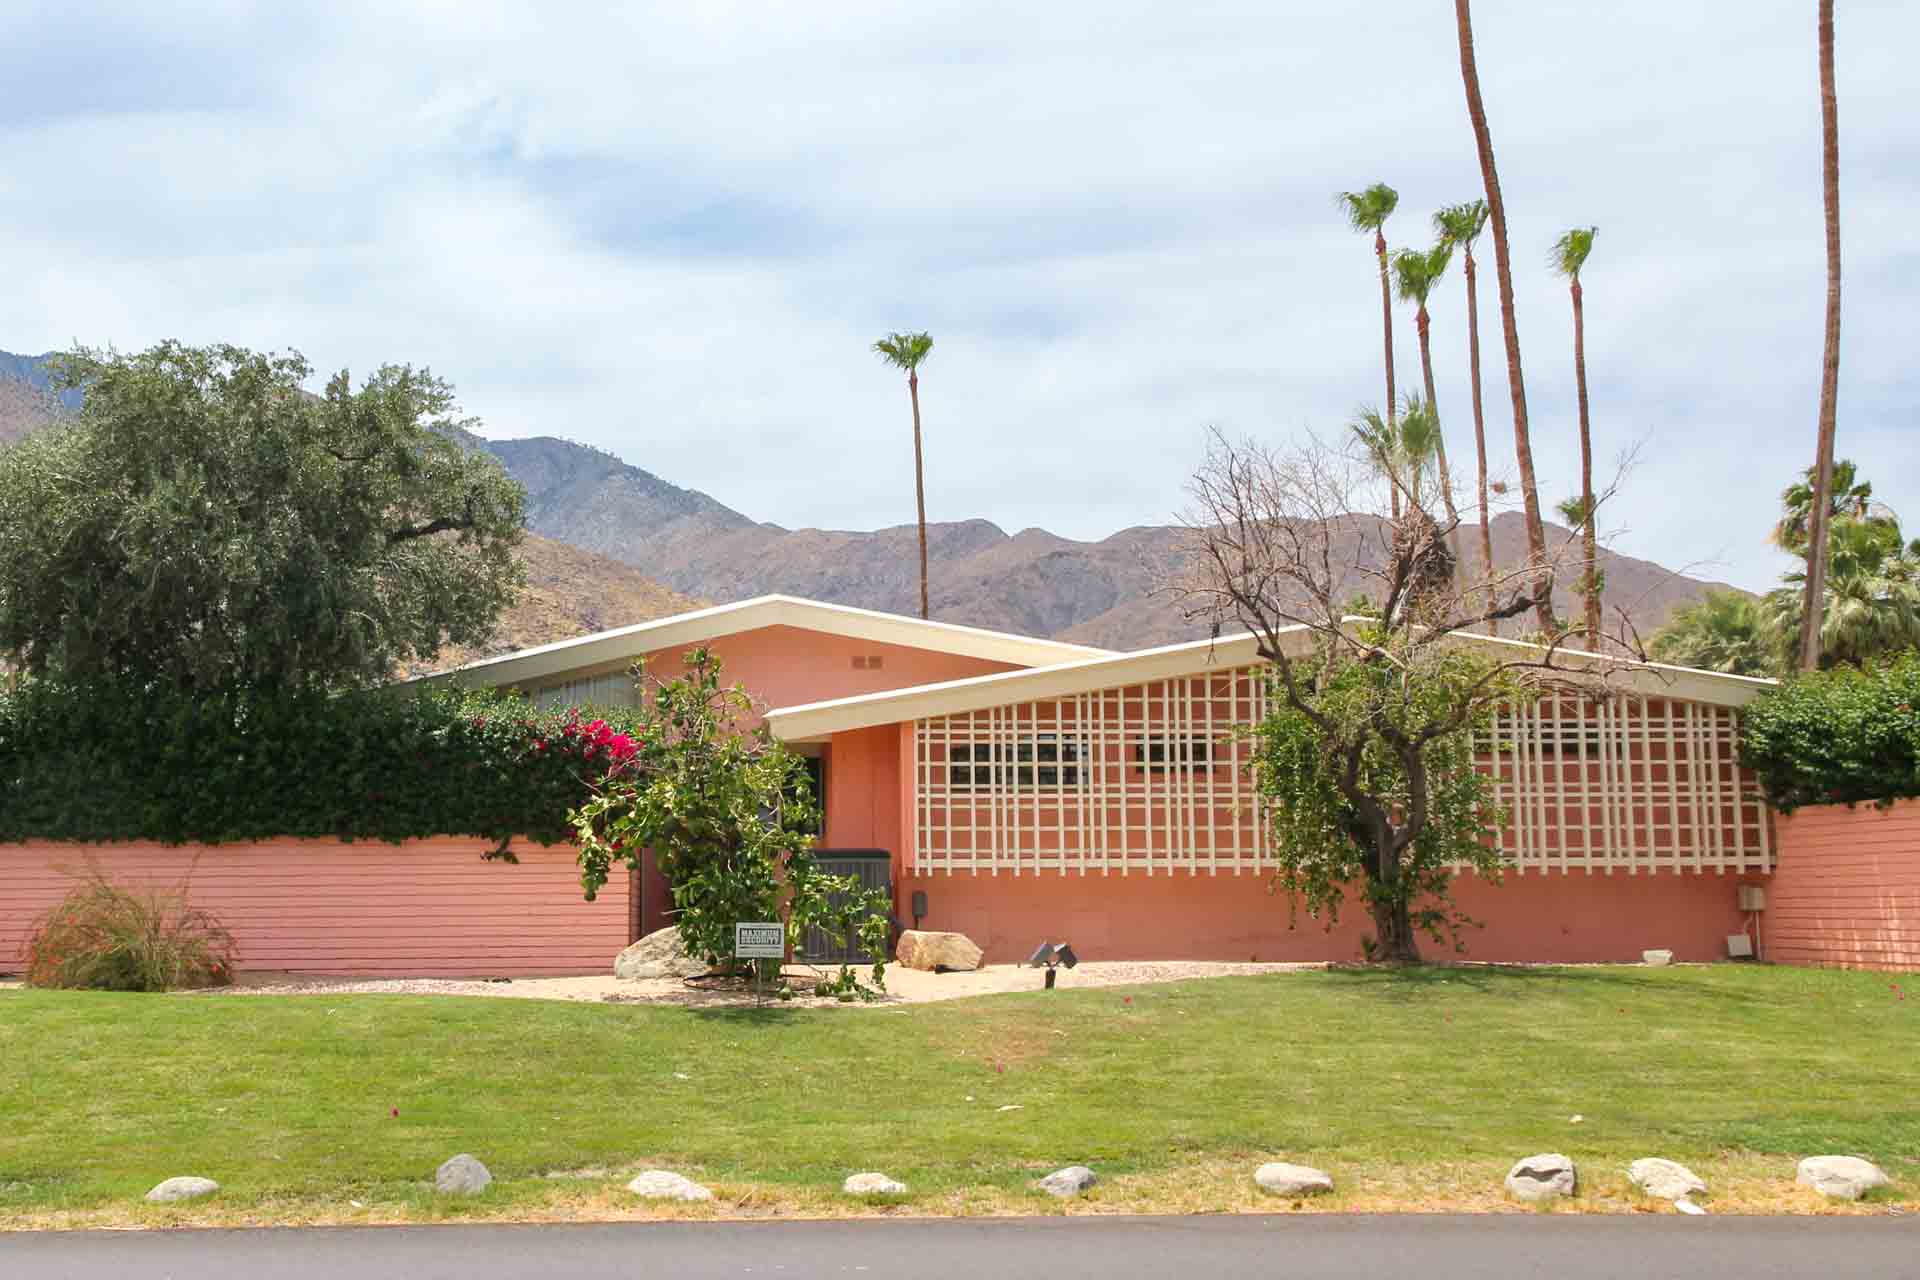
(872, 868)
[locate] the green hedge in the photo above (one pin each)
(108, 763)
(1839, 736)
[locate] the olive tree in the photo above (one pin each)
(204, 520)
(1367, 754)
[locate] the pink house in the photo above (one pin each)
(1021, 790)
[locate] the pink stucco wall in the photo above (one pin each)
(786, 666)
(1846, 889)
(1555, 917)
(423, 908)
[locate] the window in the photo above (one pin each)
(1042, 760)
(1162, 753)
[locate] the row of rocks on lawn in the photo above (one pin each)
(1536, 1179)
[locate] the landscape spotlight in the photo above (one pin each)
(1048, 957)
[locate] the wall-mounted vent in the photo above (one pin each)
(866, 662)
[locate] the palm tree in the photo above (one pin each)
(1414, 276)
(1871, 605)
(906, 351)
(1850, 498)
(1569, 256)
(1459, 225)
(1402, 447)
(1368, 211)
(1810, 637)
(1509, 325)
(1722, 631)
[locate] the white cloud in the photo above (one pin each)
(673, 230)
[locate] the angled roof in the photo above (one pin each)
(816, 720)
(702, 625)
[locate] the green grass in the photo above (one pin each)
(288, 1101)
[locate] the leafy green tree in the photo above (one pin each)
(729, 816)
(1569, 256)
(909, 351)
(1367, 752)
(1722, 631)
(1368, 211)
(1459, 226)
(204, 521)
(1840, 736)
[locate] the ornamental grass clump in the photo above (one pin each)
(106, 937)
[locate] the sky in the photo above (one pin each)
(674, 231)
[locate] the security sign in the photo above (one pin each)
(763, 940)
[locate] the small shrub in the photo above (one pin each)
(106, 937)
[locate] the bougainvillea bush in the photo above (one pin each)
(104, 761)
(730, 818)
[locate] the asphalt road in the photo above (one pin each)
(1297, 1247)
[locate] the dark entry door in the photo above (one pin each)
(874, 869)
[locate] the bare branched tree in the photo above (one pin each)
(1360, 616)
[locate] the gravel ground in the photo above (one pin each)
(904, 986)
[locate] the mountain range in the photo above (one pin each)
(640, 546)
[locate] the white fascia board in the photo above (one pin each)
(816, 721)
(702, 625)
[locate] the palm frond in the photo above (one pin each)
(1461, 224)
(1368, 210)
(1417, 271)
(904, 350)
(1570, 252)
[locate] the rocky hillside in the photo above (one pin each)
(1032, 582)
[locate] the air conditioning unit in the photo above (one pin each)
(1753, 897)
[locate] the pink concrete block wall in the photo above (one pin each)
(423, 908)
(1846, 887)
(1532, 918)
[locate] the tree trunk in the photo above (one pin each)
(1393, 935)
(1386, 326)
(919, 485)
(1813, 607)
(1509, 325)
(1480, 434)
(1422, 323)
(1590, 579)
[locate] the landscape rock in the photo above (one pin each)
(1065, 1184)
(924, 949)
(1656, 959)
(1840, 1177)
(181, 1189)
(658, 955)
(1547, 1176)
(1283, 1179)
(1664, 1180)
(462, 1176)
(873, 1184)
(661, 1184)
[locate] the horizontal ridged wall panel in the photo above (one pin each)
(1846, 888)
(425, 908)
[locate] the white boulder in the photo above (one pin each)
(1065, 1184)
(658, 955)
(1840, 1177)
(1282, 1179)
(462, 1176)
(924, 949)
(1664, 1180)
(661, 1184)
(873, 1184)
(181, 1189)
(1547, 1176)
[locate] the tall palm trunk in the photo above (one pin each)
(919, 485)
(1421, 324)
(1590, 580)
(1509, 326)
(1813, 607)
(1480, 432)
(1386, 324)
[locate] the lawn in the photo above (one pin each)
(1413, 1088)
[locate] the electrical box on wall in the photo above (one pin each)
(1753, 897)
